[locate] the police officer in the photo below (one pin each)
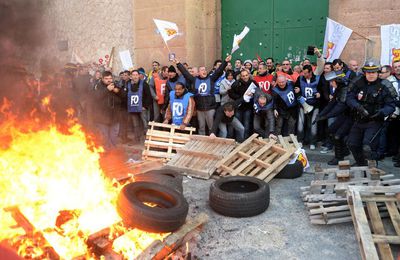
(372, 102)
(339, 111)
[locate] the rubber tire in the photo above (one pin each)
(291, 171)
(249, 199)
(167, 218)
(169, 173)
(161, 179)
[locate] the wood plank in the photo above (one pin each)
(195, 153)
(363, 233)
(386, 239)
(269, 173)
(237, 149)
(156, 144)
(213, 139)
(394, 216)
(377, 227)
(294, 140)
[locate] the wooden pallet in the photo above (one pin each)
(162, 140)
(255, 157)
(378, 239)
(198, 158)
(287, 142)
(325, 198)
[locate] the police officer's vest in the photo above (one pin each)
(370, 97)
(287, 95)
(259, 108)
(160, 89)
(135, 98)
(308, 90)
(178, 107)
(264, 82)
(203, 86)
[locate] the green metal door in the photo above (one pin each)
(279, 29)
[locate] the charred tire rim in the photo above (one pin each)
(239, 196)
(160, 179)
(291, 171)
(168, 215)
(168, 173)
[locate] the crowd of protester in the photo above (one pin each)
(329, 105)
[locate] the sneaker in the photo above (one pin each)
(312, 147)
(326, 150)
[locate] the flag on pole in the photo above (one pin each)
(237, 39)
(390, 51)
(168, 30)
(336, 37)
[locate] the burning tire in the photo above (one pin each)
(239, 196)
(291, 171)
(152, 207)
(163, 177)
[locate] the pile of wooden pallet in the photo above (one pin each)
(162, 141)
(325, 198)
(378, 238)
(198, 158)
(255, 157)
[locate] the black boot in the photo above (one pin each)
(358, 156)
(339, 156)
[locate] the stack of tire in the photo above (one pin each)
(153, 202)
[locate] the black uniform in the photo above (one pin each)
(371, 102)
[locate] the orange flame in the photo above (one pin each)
(45, 172)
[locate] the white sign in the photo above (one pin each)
(237, 39)
(126, 59)
(390, 38)
(336, 37)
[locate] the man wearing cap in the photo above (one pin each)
(372, 102)
(173, 78)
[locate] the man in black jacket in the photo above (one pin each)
(245, 112)
(204, 90)
(225, 119)
(104, 110)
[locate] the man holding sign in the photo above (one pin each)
(204, 88)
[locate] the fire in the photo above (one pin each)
(55, 180)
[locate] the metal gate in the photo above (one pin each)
(280, 29)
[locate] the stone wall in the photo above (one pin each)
(199, 42)
(364, 17)
(90, 27)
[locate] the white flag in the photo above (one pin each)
(390, 38)
(168, 30)
(336, 37)
(237, 39)
(126, 59)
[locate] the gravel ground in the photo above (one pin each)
(282, 232)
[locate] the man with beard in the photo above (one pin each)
(245, 112)
(104, 110)
(173, 78)
(181, 107)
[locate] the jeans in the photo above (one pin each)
(205, 117)
(288, 123)
(235, 124)
(109, 133)
(139, 123)
(246, 118)
(305, 128)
